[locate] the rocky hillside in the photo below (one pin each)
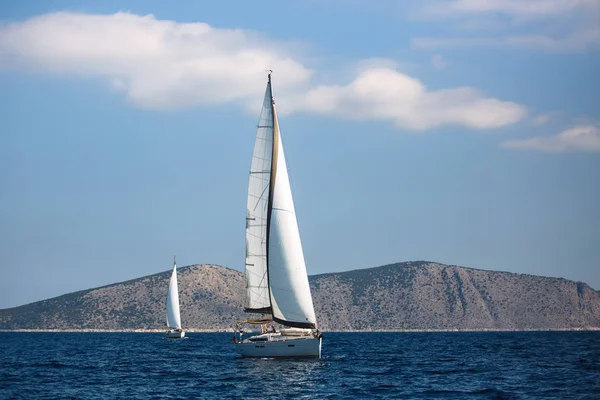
(411, 295)
(424, 295)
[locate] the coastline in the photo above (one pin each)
(230, 330)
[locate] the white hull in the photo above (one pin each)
(175, 334)
(291, 347)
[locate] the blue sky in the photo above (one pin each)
(465, 132)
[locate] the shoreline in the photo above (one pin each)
(229, 330)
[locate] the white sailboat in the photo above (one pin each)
(276, 280)
(173, 315)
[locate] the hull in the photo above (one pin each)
(175, 334)
(283, 348)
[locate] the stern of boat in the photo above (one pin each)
(176, 334)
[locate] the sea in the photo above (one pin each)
(428, 365)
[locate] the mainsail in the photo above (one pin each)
(173, 315)
(257, 287)
(277, 282)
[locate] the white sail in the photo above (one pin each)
(257, 287)
(291, 299)
(173, 316)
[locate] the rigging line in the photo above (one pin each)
(254, 196)
(261, 195)
(258, 285)
(258, 225)
(256, 236)
(262, 159)
(255, 275)
(283, 209)
(259, 157)
(256, 255)
(262, 280)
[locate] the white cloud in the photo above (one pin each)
(439, 62)
(164, 64)
(386, 94)
(552, 25)
(159, 64)
(584, 138)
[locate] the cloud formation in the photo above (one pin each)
(584, 138)
(386, 94)
(159, 64)
(162, 64)
(552, 25)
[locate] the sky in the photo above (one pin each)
(465, 132)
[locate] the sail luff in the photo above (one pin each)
(173, 313)
(257, 289)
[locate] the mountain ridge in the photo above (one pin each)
(414, 295)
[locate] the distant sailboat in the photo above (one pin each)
(173, 315)
(276, 279)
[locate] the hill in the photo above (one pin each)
(410, 295)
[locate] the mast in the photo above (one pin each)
(274, 148)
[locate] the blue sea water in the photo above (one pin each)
(486, 365)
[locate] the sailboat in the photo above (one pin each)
(173, 315)
(276, 280)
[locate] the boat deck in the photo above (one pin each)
(275, 337)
